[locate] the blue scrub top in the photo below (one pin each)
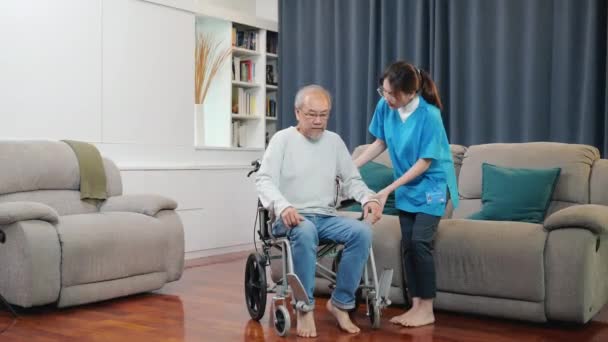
(422, 135)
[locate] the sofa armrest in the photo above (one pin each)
(12, 212)
(143, 204)
(592, 217)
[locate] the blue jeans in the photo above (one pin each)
(356, 236)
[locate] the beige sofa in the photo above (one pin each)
(536, 272)
(65, 251)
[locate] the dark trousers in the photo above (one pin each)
(417, 238)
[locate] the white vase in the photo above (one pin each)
(199, 125)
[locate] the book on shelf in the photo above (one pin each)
(238, 134)
(272, 42)
(271, 106)
(243, 101)
(243, 70)
(272, 77)
(245, 39)
(236, 127)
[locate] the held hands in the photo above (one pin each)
(381, 196)
(372, 212)
(291, 217)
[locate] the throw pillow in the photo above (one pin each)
(377, 176)
(516, 194)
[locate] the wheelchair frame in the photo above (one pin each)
(373, 290)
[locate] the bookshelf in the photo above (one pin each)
(240, 109)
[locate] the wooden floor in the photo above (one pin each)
(207, 304)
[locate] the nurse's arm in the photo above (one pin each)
(419, 168)
(371, 152)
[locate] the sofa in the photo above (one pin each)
(65, 251)
(554, 271)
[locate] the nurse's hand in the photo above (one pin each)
(372, 212)
(381, 196)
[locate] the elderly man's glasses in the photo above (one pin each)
(313, 115)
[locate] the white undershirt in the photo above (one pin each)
(408, 109)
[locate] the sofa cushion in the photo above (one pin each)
(599, 182)
(99, 247)
(65, 202)
(46, 165)
(515, 194)
(377, 177)
(491, 258)
(574, 160)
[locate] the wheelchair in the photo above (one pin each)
(372, 290)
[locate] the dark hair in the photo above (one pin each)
(405, 77)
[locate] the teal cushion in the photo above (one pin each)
(512, 194)
(377, 177)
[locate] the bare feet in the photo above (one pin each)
(420, 315)
(343, 319)
(306, 324)
(419, 318)
(401, 319)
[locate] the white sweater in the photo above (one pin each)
(301, 173)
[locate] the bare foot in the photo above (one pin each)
(306, 324)
(343, 319)
(420, 317)
(401, 319)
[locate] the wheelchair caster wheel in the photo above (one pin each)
(282, 321)
(255, 286)
(374, 315)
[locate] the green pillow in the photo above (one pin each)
(377, 177)
(510, 194)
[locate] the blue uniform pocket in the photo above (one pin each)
(436, 196)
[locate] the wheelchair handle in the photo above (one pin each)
(256, 167)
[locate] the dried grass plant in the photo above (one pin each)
(209, 58)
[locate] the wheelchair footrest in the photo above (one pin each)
(384, 285)
(297, 289)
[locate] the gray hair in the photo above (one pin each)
(301, 94)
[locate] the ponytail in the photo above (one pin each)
(407, 78)
(428, 89)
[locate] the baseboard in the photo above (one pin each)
(219, 251)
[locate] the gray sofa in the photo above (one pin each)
(557, 270)
(65, 251)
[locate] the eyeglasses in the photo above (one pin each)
(312, 115)
(384, 93)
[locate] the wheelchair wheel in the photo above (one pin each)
(255, 286)
(282, 321)
(374, 315)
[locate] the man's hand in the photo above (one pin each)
(382, 196)
(291, 217)
(372, 211)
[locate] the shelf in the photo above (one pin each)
(245, 116)
(237, 51)
(271, 118)
(245, 84)
(235, 149)
(220, 125)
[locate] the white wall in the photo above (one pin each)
(119, 73)
(267, 9)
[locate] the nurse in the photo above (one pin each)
(407, 121)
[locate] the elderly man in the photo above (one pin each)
(297, 183)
